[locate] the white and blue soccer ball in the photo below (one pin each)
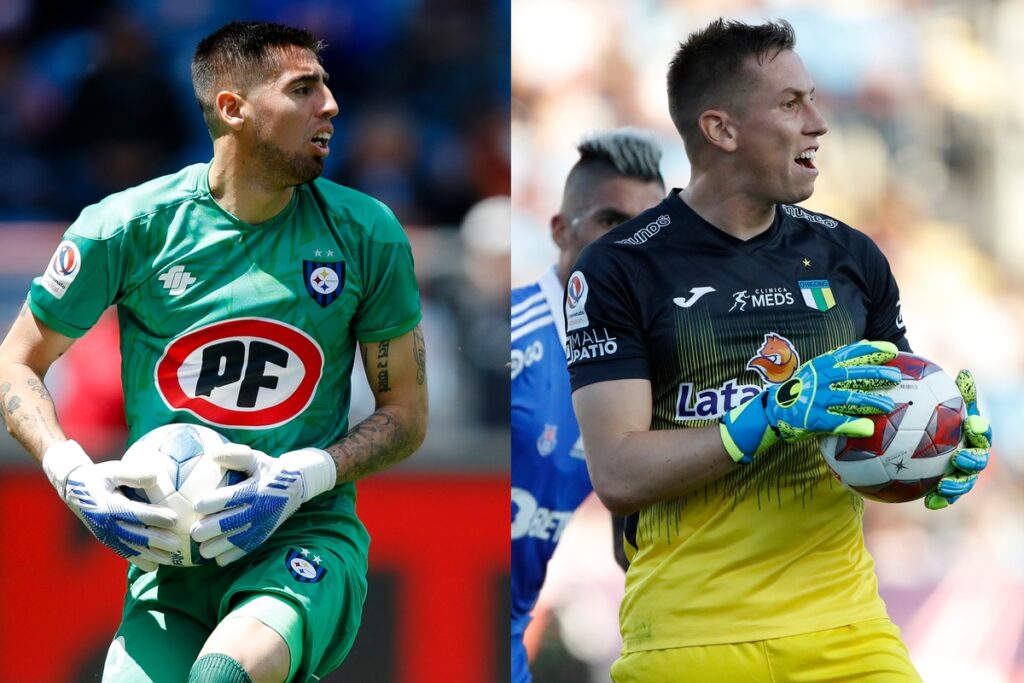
(178, 454)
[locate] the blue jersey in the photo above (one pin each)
(549, 474)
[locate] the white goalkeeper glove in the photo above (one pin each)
(238, 518)
(132, 529)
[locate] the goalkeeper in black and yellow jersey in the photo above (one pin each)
(709, 339)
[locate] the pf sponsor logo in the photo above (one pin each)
(63, 269)
(576, 292)
(248, 373)
(776, 359)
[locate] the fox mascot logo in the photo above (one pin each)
(776, 360)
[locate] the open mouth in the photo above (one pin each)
(806, 159)
(320, 141)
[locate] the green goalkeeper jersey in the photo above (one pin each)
(249, 329)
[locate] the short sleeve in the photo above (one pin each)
(604, 325)
(391, 304)
(80, 281)
(884, 318)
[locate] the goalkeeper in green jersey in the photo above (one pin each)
(243, 286)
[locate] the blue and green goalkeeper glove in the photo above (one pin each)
(969, 461)
(825, 396)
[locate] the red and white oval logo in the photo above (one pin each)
(249, 373)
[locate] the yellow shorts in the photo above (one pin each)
(866, 652)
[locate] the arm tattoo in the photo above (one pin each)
(419, 352)
(377, 442)
(4, 388)
(38, 387)
(382, 368)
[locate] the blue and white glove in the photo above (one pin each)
(238, 518)
(134, 530)
(970, 461)
(825, 396)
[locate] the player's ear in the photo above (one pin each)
(229, 109)
(718, 129)
(560, 230)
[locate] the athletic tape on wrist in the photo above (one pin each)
(60, 459)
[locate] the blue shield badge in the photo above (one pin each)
(324, 280)
(304, 565)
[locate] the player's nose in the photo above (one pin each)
(330, 108)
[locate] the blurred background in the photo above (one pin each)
(96, 97)
(926, 115)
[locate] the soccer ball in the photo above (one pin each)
(913, 446)
(175, 452)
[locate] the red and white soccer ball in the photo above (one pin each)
(913, 446)
(184, 473)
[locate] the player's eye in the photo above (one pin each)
(302, 90)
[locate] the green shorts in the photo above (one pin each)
(315, 563)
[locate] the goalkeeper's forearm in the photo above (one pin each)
(27, 409)
(389, 435)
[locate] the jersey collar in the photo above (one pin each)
(705, 232)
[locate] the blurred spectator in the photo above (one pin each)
(124, 118)
(96, 100)
(476, 295)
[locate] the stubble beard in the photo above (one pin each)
(284, 169)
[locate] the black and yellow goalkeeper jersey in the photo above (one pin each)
(775, 548)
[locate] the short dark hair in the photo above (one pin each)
(240, 55)
(624, 152)
(709, 67)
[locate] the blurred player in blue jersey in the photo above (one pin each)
(615, 178)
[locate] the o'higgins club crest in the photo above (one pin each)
(324, 280)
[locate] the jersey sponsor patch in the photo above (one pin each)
(63, 269)
(762, 297)
(525, 357)
(590, 344)
(647, 232)
(248, 373)
(797, 212)
(776, 359)
(817, 294)
(576, 291)
(692, 404)
(324, 280)
(531, 520)
(304, 565)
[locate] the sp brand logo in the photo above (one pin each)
(248, 373)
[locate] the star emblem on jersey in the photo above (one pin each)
(301, 569)
(807, 263)
(324, 280)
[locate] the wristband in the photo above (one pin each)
(60, 460)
